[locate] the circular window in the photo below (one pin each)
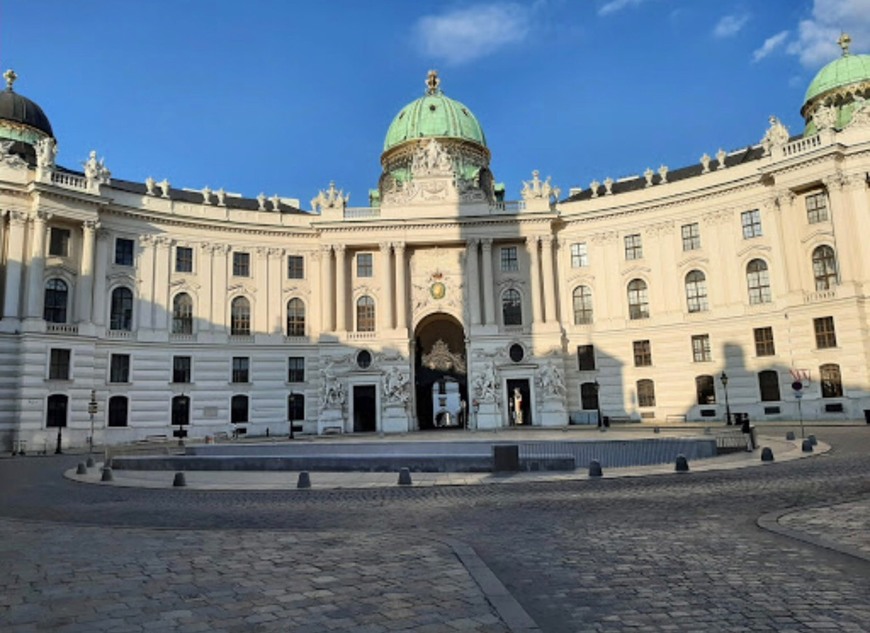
(516, 352)
(364, 359)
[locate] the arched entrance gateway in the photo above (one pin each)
(441, 384)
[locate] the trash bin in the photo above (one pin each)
(506, 458)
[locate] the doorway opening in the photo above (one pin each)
(440, 384)
(364, 409)
(519, 399)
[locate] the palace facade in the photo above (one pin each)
(682, 294)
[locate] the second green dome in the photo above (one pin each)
(434, 115)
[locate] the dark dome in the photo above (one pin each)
(14, 107)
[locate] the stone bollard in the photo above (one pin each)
(90, 462)
(766, 454)
(404, 477)
(807, 446)
(180, 481)
(81, 469)
(812, 439)
(595, 469)
(790, 436)
(107, 474)
(682, 464)
(304, 481)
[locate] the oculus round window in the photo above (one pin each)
(364, 359)
(516, 352)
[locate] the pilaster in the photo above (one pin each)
(401, 287)
(473, 272)
(548, 267)
(488, 299)
(145, 273)
(14, 265)
(532, 243)
(100, 264)
(341, 294)
(35, 271)
(85, 283)
(385, 314)
(326, 289)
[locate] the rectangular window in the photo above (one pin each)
(295, 267)
(633, 247)
(181, 369)
(646, 393)
(58, 242)
(183, 259)
(579, 255)
(826, 336)
(123, 251)
(59, 364)
(119, 368)
(509, 263)
(241, 264)
(642, 354)
(768, 385)
(586, 357)
(364, 265)
(751, 221)
(701, 348)
(691, 236)
(241, 365)
(817, 207)
(764, 341)
(296, 369)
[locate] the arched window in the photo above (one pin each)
(582, 305)
(239, 409)
(758, 281)
(182, 314)
(56, 294)
(121, 316)
(512, 307)
(365, 314)
(825, 268)
(696, 291)
(646, 393)
(295, 318)
(706, 389)
(240, 317)
(768, 385)
(55, 412)
(118, 411)
(638, 299)
(832, 382)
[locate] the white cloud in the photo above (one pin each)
(770, 44)
(463, 35)
(730, 25)
(815, 40)
(618, 5)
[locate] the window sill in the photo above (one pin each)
(180, 384)
(59, 380)
(119, 384)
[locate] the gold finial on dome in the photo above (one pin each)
(432, 82)
(10, 76)
(844, 43)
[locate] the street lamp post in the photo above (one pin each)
(92, 410)
(724, 379)
(292, 413)
(598, 403)
(476, 406)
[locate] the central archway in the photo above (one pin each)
(441, 385)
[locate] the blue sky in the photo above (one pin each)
(281, 96)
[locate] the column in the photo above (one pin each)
(102, 260)
(386, 274)
(204, 303)
(340, 288)
(162, 306)
(219, 307)
(548, 266)
(14, 265)
(327, 290)
(401, 287)
(85, 285)
(274, 298)
(145, 268)
(473, 272)
(841, 208)
(260, 276)
(36, 267)
(488, 306)
(535, 274)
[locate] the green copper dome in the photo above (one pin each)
(434, 115)
(847, 70)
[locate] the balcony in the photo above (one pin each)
(61, 328)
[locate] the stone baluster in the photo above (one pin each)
(535, 274)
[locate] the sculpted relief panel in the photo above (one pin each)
(437, 281)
